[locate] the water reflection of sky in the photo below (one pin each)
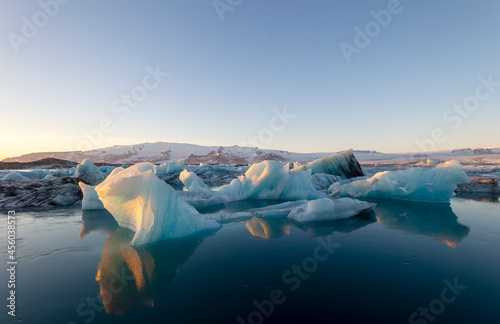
(399, 258)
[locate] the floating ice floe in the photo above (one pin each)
(143, 203)
(329, 209)
(14, 176)
(169, 168)
(315, 210)
(418, 184)
(87, 171)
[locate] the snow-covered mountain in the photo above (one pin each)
(162, 152)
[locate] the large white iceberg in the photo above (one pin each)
(342, 164)
(315, 210)
(418, 184)
(329, 209)
(87, 171)
(169, 168)
(143, 203)
(264, 180)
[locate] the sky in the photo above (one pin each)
(302, 76)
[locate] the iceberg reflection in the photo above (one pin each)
(434, 220)
(131, 277)
(268, 228)
(276, 227)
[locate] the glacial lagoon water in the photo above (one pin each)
(409, 263)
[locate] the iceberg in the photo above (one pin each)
(141, 202)
(322, 181)
(90, 198)
(195, 184)
(329, 209)
(169, 168)
(435, 185)
(343, 164)
(65, 199)
(271, 180)
(315, 210)
(14, 176)
(87, 171)
(279, 210)
(264, 180)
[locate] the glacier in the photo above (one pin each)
(146, 205)
(436, 185)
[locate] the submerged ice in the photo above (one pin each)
(418, 184)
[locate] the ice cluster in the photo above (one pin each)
(264, 180)
(14, 176)
(418, 184)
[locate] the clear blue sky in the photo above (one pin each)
(226, 76)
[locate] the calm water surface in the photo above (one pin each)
(411, 263)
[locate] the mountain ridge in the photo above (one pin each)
(161, 152)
